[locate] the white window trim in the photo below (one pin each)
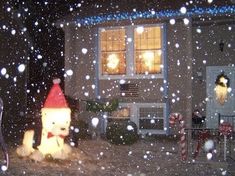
(134, 116)
(152, 131)
(130, 63)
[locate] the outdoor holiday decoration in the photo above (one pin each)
(55, 116)
(222, 84)
(178, 117)
(99, 106)
(2, 142)
(225, 129)
(202, 136)
(94, 20)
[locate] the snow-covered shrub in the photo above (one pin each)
(122, 132)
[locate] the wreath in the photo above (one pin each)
(220, 83)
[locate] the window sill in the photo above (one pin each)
(112, 77)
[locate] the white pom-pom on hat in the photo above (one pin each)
(56, 81)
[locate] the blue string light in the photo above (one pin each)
(214, 11)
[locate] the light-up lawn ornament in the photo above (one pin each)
(55, 116)
(174, 117)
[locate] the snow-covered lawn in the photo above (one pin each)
(97, 157)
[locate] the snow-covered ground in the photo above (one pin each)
(97, 157)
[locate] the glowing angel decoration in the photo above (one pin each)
(222, 88)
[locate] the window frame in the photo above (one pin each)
(130, 54)
(135, 116)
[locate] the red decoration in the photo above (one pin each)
(49, 135)
(178, 117)
(55, 98)
(203, 135)
(225, 128)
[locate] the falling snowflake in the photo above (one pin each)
(172, 21)
(69, 72)
(87, 77)
(3, 71)
(177, 45)
(8, 9)
(84, 50)
(183, 10)
(94, 121)
(198, 30)
(13, 31)
(21, 67)
(39, 56)
(129, 127)
(186, 21)
(3, 168)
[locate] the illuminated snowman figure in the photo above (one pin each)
(55, 116)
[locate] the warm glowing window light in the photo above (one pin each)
(148, 59)
(112, 61)
(113, 51)
(131, 50)
(140, 29)
(148, 50)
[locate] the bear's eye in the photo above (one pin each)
(53, 123)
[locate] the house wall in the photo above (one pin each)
(178, 86)
(180, 69)
(206, 52)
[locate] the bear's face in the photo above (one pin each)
(56, 120)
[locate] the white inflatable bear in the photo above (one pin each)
(55, 116)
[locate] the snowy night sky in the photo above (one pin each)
(34, 34)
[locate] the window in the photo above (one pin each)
(148, 50)
(149, 117)
(152, 118)
(113, 51)
(131, 51)
(123, 112)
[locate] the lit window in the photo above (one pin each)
(148, 50)
(113, 52)
(121, 112)
(131, 51)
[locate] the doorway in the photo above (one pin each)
(220, 100)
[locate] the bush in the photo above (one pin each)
(122, 132)
(78, 131)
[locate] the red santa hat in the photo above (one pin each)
(56, 98)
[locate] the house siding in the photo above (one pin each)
(179, 77)
(206, 48)
(183, 92)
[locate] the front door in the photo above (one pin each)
(220, 81)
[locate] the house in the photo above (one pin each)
(156, 58)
